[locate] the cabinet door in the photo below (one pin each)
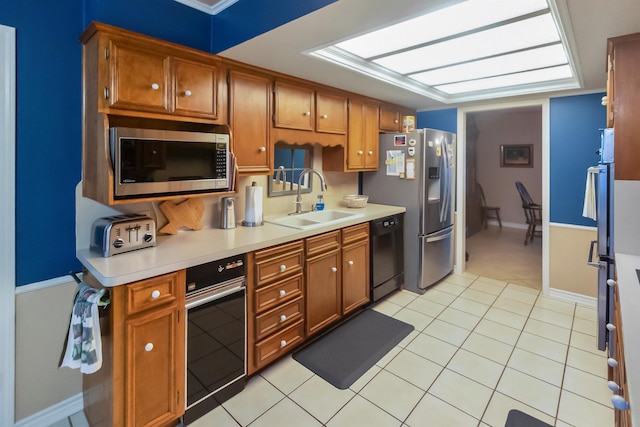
(362, 146)
(154, 367)
(389, 119)
(249, 99)
(323, 305)
(139, 79)
(294, 107)
(195, 88)
(331, 113)
(355, 276)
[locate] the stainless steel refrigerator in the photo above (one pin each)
(417, 171)
(604, 243)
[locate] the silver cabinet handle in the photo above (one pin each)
(324, 116)
(283, 343)
(263, 149)
(155, 86)
(611, 327)
(187, 92)
(283, 267)
(613, 386)
(307, 113)
(148, 346)
(612, 362)
(350, 262)
(155, 294)
(334, 269)
(611, 282)
(282, 293)
(283, 318)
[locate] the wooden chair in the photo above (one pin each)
(532, 213)
(488, 212)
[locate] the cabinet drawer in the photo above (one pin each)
(322, 243)
(279, 318)
(276, 293)
(355, 233)
(284, 265)
(153, 292)
(278, 344)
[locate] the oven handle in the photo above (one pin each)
(216, 293)
(590, 261)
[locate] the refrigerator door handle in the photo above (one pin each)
(445, 172)
(590, 261)
(441, 235)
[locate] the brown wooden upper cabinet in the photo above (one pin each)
(300, 107)
(249, 101)
(135, 75)
(390, 119)
(623, 54)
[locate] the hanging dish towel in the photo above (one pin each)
(589, 209)
(84, 346)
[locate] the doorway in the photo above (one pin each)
(499, 252)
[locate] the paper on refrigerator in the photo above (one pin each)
(395, 162)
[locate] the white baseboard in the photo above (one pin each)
(54, 413)
(573, 297)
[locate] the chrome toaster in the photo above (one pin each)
(117, 234)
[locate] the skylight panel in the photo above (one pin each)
(508, 38)
(528, 77)
(466, 51)
(462, 17)
(505, 64)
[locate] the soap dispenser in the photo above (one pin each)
(320, 202)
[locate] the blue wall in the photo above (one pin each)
(446, 120)
(575, 138)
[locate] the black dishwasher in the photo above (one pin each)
(387, 255)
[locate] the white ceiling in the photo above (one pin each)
(587, 22)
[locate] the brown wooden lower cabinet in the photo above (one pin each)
(142, 379)
(618, 373)
(323, 297)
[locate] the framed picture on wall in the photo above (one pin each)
(520, 156)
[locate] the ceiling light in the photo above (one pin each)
(457, 52)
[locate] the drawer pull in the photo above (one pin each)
(360, 152)
(612, 362)
(350, 262)
(307, 113)
(611, 282)
(334, 269)
(283, 318)
(187, 92)
(148, 346)
(263, 149)
(619, 402)
(370, 153)
(611, 327)
(282, 293)
(155, 86)
(283, 267)
(613, 386)
(155, 294)
(324, 116)
(283, 344)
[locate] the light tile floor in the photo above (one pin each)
(480, 348)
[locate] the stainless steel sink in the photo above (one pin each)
(310, 220)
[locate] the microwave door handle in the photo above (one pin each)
(590, 259)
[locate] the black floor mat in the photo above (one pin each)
(520, 419)
(347, 352)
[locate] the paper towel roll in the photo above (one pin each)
(253, 206)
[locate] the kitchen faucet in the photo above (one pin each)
(323, 187)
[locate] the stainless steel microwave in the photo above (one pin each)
(149, 162)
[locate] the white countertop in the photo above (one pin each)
(629, 291)
(189, 248)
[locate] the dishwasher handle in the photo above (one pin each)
(386, 225)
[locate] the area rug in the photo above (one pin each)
(347, 352)
(520, 419)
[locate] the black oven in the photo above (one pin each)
(216, 334)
